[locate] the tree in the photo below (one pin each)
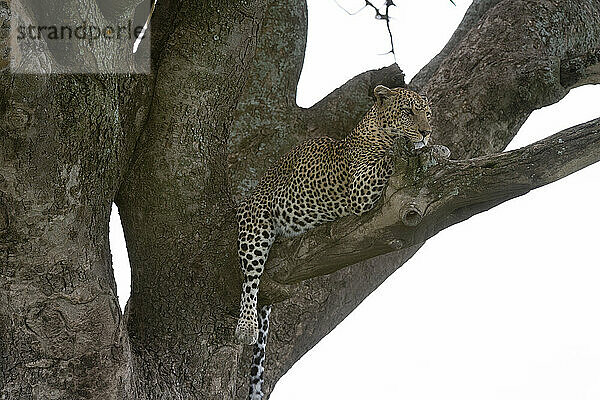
(176, 149)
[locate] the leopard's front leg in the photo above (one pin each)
(368, 183)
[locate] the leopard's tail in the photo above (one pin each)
(258, 358)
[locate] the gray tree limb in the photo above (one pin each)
(428, 194)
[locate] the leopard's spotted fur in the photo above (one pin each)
(321, 180)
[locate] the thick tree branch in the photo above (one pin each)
(176, 205)
(266, 122)
(508, 64)
(477, 10)
(428, 195)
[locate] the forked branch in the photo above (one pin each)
(430, 193)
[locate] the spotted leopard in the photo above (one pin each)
(320, 180)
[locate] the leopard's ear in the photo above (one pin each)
(382, 92)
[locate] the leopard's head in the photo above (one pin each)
(402, 112)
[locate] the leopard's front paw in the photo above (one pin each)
(246, 331)
(419, 145)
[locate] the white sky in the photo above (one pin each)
(502, 306)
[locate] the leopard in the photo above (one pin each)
(320, 180)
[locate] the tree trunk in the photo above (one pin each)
(175, 150)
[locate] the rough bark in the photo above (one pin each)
(176, 207)
(175, 150)
(62, 334)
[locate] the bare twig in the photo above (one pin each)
(143, 32)
(348, 12)
(384, 16)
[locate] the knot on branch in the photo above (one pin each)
(16, 118)
(581, 70)
(414, 168)
(411, 215)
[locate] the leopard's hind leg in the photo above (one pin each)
(256, 235)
